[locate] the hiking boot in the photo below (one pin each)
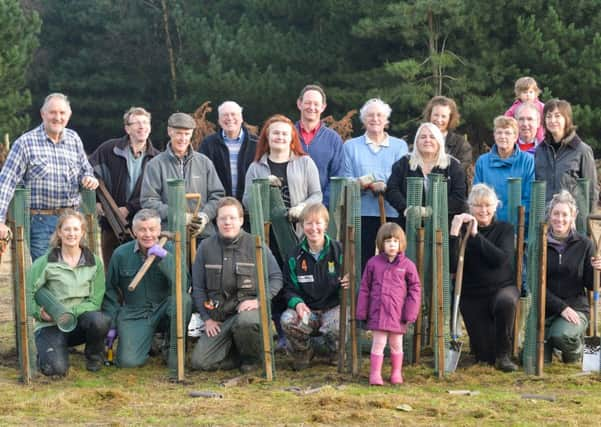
(302, 360)
(281, 344)
(504, 363)
(575, 357)
(93, 364)
(548, 353)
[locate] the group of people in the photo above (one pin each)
(300, 159)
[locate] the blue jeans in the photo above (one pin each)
(42, 227)
(53, 345)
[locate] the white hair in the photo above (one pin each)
(482, 192)
(374, 102)
(55, 95)
(443, 160)
(227, 104)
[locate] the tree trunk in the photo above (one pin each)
(170, 53)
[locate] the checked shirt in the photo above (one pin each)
(52, 171)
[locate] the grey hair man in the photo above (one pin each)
(231, 149)
(528, 118)
(180, 161)
(49, 160)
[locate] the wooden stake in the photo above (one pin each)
(263, 312)
(179, 310)
(519, 268)
(440, 306)
(542, 297)
(353, 291)
(22, 293)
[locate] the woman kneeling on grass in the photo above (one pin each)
(570, 264)
(74, 278)
(312, 281)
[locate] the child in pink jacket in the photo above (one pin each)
(389, 299)
(526, 90)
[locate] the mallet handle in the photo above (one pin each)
(142, 271)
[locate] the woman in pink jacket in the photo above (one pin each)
(389, 299)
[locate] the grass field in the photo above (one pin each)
(317, 396)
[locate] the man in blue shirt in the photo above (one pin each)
(321, 143)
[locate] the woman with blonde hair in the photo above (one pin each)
(428, 156)
(74, 277)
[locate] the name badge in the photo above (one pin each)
(306, 278)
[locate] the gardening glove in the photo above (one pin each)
(422, 211)
(274, 181)
(294, 213)
(158, 251)
(110, 337)
(365, 181)
(378, 187)
(198, 224)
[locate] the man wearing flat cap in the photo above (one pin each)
(180, 161)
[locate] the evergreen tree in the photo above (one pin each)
(18, 38)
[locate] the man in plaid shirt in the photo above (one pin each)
(50, 160)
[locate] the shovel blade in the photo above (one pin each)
(452, 356)
(591, 358)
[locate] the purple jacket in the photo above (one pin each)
(390, 294)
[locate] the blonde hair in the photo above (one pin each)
(504, 122)
(55, 241)
(315, 210)
(564, 197)
(523, 84)
(416, 159)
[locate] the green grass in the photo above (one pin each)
(146, 396)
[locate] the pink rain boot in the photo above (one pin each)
(375, 369)
(396, 360)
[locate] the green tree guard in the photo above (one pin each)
(18, 214)
(88, 208)
(415, 189)
(284, 233)
(337, 183)
(537, 217)
(443, 214)
(176, 220)
(514, 200)
(256, 225)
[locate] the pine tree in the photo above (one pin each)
(18, 40)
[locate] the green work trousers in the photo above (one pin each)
(238, 342)
(566, 337)
(136, 327)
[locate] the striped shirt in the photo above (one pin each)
(234, 145)
(52, 171)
